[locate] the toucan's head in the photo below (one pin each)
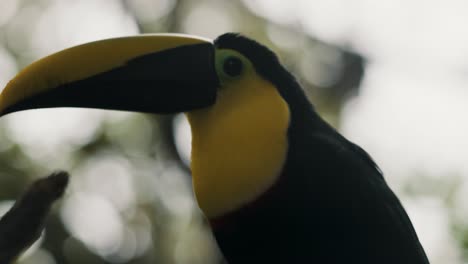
(228, 89)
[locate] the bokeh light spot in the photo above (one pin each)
(150, 10)
(67, 23)
(183, 138)
(208, 20)
(7, 66)
(8, 8)
(95, 221)
(108, 176)
(51, 134)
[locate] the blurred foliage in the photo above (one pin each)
(130, 199)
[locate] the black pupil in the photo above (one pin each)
(232, 66)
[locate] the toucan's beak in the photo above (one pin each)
(146, 73)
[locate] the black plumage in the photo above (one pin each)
(330, 205)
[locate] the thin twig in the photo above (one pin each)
(23, 223)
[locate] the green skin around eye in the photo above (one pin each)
(222, 55)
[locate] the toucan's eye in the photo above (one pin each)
(232, 66)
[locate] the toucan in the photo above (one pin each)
(275, 181)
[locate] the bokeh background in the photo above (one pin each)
(391, 75)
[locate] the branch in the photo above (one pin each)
(24, 222)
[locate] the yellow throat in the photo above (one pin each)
(239, 145)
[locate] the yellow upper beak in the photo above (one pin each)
(158, 73)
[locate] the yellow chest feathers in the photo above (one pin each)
(239, 145)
